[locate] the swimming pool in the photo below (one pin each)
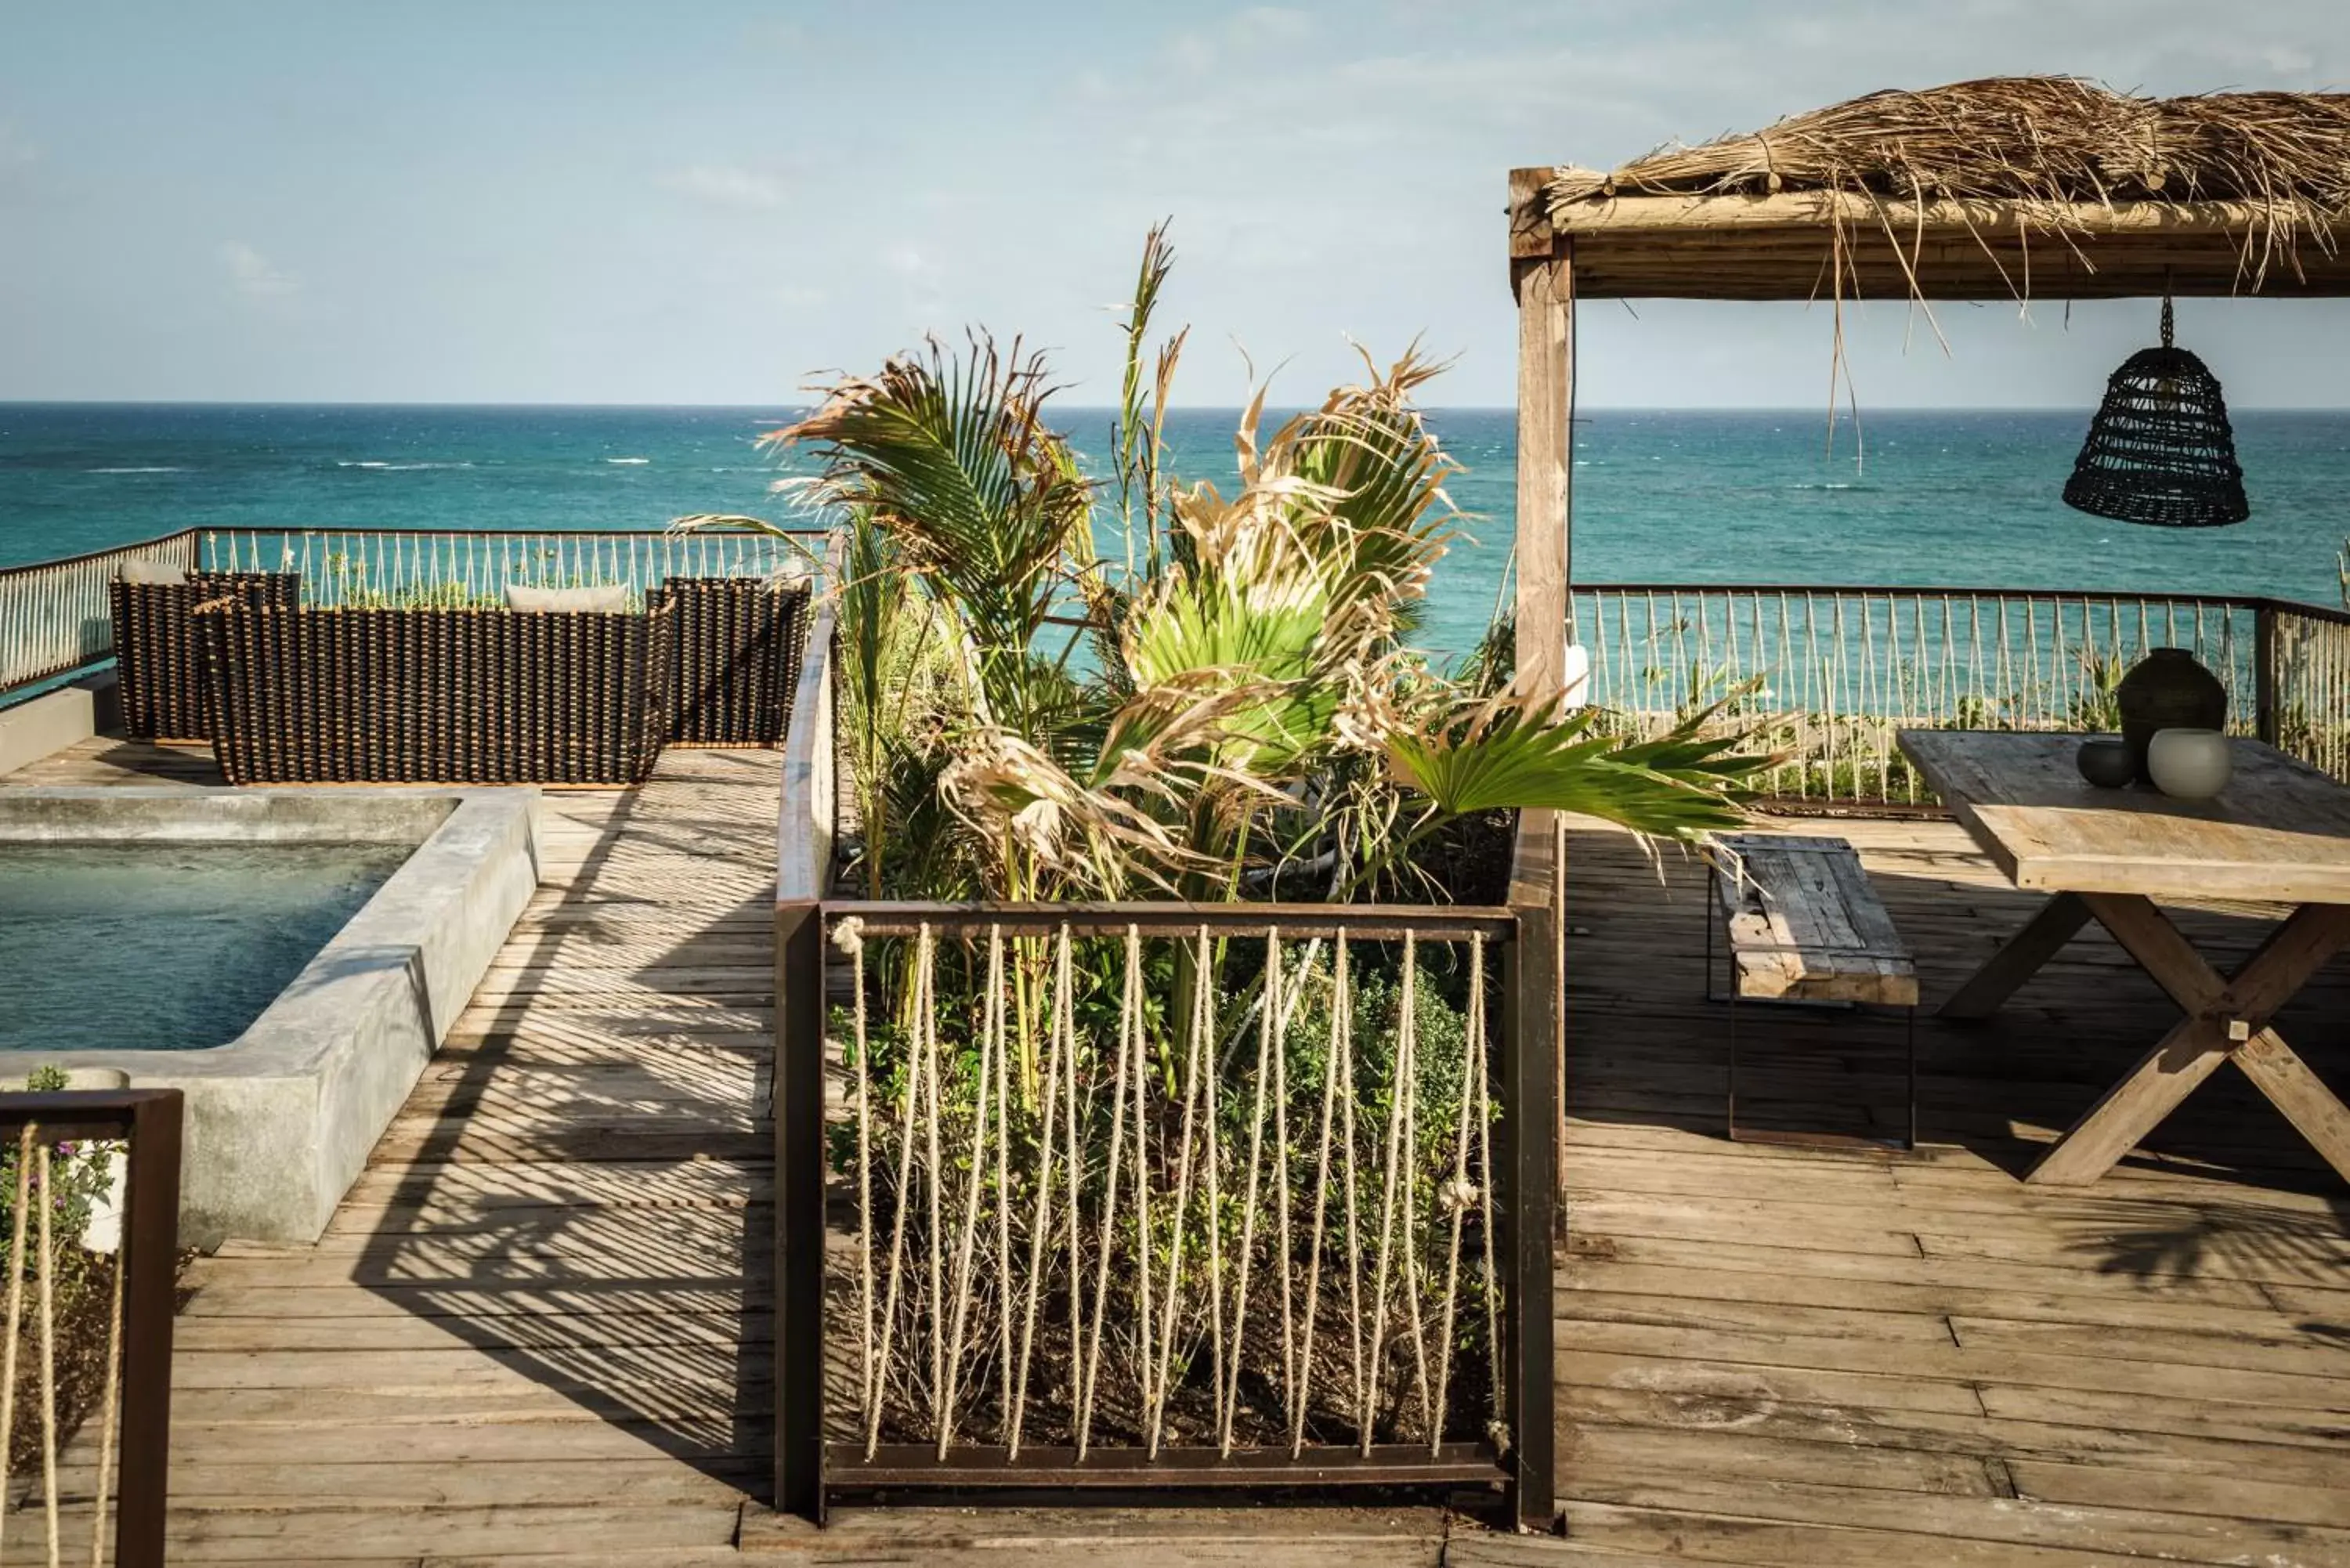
(165, 946)
(286, 959)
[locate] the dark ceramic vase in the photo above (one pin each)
(2167, 691)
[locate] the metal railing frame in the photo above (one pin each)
(2259, 657)
(148, 1121)
(811, 1469)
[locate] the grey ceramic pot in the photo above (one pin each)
(2106, 760)
(2167, 691)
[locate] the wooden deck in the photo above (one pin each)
(537, 1326)
(538, 1331)
(1774, 1355)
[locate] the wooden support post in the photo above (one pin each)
(150, 1259)
(1542, 277)
(799, 1209)
(1529, 1076)
(1544, 286)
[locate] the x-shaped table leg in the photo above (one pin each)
(2227, 1019)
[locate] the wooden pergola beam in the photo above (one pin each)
(1816, 208)
(1792, 245)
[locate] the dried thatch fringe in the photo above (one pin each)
(2054, 138)
(2044, 143)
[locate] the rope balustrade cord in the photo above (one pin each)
(1161, 1236)
(54, 615)
(1332, 1073)
(990, 1053)
(109, 1416)
(1056, 1052)
(1196, 1036)
(1837, 673)
(15, 1317)
(1090, 1374)
(33, 1227)
(48, 1352)
(347, 566)
(847, 937)
(1398, 1115)
(1265, 1016)
(1459, 1192)
(898, 1216)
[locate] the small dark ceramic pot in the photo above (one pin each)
(2106, 761)
(2167, 690)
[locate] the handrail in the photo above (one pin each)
(55, 616)
(323, 528)
(1942, 590)
(103, 550)
(1367, 922)
(1828, 673)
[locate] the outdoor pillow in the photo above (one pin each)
(610, 600)
(154, 574)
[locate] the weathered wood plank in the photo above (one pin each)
(2279, 832)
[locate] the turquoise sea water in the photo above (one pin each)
(1962, 499)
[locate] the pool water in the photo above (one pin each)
(164, 946)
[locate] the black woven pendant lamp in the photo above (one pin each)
(2159, 451)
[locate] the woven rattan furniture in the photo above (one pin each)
(438, 696)
(2159, 451)
(159, 656)
(738, 656)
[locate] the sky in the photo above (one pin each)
(724, 200)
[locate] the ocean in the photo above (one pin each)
(1953, 499)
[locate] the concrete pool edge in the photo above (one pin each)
(281, 1119)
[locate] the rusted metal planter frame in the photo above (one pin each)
(148, 1121)
(810, 1471)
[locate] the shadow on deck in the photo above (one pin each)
(1772, 1354)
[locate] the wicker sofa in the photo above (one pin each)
(158, 657)
(313, 695)
(738, 658)
(293, 693)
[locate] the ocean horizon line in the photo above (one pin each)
(1842, 415)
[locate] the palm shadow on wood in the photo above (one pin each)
(581, 1186)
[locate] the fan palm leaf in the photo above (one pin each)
(1511, 753)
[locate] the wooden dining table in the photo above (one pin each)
(2278, 834)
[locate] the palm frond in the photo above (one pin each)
(1508, 753)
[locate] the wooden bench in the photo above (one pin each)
(1801, 923)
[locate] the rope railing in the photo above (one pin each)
(390, 567)
(91, 1180)
(1830, 675)
(2308, 660)
(54, 615)
(1180, 1194)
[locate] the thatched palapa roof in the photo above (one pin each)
(2009, 186)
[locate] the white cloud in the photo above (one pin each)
(18, 158)
(255, 276)
(907, 261)
(724, 185)
(1192, 52)
(1270, 23)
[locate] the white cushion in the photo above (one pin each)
(608, 599)
(154, 574)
